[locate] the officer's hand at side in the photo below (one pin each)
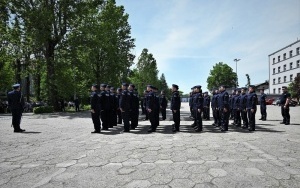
(199, 110)
(149, 110)
(174, 111)
(252, 110)
(225, 109)
(92, 110)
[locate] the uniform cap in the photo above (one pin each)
(15, 86)
(119, 89)
(95, 85)
(175, 86)
(132, 85)
(125, 84)
(224, 86)
(252, 86)
(102, 85)
(112, 88)
(284, 87)
(198, 86)
(108, 86)
(244, 88)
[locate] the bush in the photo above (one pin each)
(86, 107)
(43, 109)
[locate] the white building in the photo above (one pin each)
(284, 66)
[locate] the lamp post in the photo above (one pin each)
(236, 60)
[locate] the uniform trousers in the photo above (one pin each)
(176, 119)
(251, 119)
(96, 121)
(16, 118)
(285, 112)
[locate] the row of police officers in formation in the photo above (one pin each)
(240, 106)
(114, 106)
(119, 106)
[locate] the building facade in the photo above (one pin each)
(284, 66)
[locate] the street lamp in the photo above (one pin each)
(236, 60)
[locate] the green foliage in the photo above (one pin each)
(43, 109)
(294, 88)
(221, 74)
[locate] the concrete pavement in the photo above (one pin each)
(58, 150)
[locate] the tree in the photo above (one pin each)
(294, 87)
(164, 86)
(248, 80)
(221, 74)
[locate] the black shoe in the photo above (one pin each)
(261, 118)
(264, 119)
(198, 130)
(224, 130)
(104, 128)
(282, 122)
(238, 125)
(287, 123)
(96, 132)
(19, 131)
(245, 127)
(151, 130)
(251, 129)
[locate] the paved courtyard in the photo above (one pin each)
(58, 150)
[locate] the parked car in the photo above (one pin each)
(293, 102)
(270, 101)
(276, 102)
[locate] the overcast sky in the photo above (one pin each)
(188, 37)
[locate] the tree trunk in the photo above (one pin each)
(18, 71)
(51, 82)
(37, 86)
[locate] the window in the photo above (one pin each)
(291, 77)
(291, 53)
(274, 91)
(298, 51)
(298, 64)
(284, 56)
(279, 90)
(284, 67)
(274, 80)
(278, 58)
(284, 79)
(278, 69)
(291, 65)
(279, 79)
(273, 70)
(273, 60)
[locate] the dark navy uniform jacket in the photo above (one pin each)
(198, 101)
(191, 99)
(151, 102)
(163, 101)
(284, 97)
(251, 101)
(243, 101)
(236, 102)
(214, 101)
(94, 100)
(134, 98)
(262, 99)
(114, 101)
(15, 100)
(206, 101)
(125, 100)
(175, 101)
(223, 100)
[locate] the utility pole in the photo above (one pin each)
(236, 60)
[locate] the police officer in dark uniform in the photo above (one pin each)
(95, 108)
(151, 108)
(134, 105)
(108, 106)
(16, 105)
(119, 114)
(124, 106)
(198, 108)
(263, 105)
(237, 107)
(145, 104)
(223, 104)
(175, 107)
(191, 102)
(214, 106)
(157, 110)
(231, 100)
(285, 107)
(115, 105)
(243, 109)
(251, 107)
(104, 104)
(163, 104)
(206, 106)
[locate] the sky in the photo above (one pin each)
(188, 37)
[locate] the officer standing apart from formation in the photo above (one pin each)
(263, 105)
(198, 108)
(16, 104)
(95, 108)
(285, 107)
(163, 104)
(151, 107)
(251, 107)
(124, 106)
(223, 104)
(175, 107)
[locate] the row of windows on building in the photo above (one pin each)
(284, 79)
(284, 55)
(279, 91)
(284, 67)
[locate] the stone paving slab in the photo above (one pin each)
(58, 150)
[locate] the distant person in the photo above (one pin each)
(285, 107)
(62, 105)
(76, 102)
(251, 107)
(16, 105)
(175, 107)
(263, 105)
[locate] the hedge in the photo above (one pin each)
(43, 109)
